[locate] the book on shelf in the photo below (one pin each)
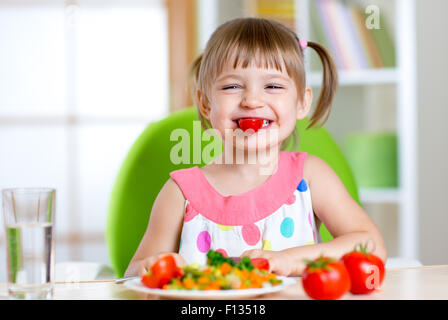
(280, 10)
(341, 27)
(384, 44)
(329, 20)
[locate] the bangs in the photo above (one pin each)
(244, 56)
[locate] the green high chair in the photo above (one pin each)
(147, 166)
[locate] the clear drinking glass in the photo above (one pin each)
(29, 217)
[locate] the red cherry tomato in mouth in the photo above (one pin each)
(254, 124)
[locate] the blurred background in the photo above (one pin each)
(81, 79)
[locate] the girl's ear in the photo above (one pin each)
(304, 106)
(204, 109)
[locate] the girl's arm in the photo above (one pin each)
(348, 223)
(162, 235)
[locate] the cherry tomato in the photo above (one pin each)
(179, 272)
(254, 124)
(260, 263)
(366, 270)
(150, 281)
(161, 273)
(325, 279)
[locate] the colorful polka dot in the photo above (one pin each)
(267, 245)
(190, 213)
(287, 227)
(223, 252)
(224, 228)
(251, 234)
(309, 220)
(204, 241)
(302, 186)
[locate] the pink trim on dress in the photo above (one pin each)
(248, 207)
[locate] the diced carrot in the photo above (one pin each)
(213, 286)
(188, 283)
(207, 270)
(256, 284)
(177, 282)
(271, 276)
(225, 268)
(254, 275)
(203, 280)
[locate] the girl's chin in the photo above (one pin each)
(263, 139)
(252, 148)
(252, 145)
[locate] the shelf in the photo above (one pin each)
(402, 79)
(357, 77)
(380, 195)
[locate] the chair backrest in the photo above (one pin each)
(147, 166)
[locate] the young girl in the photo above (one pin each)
(253, 69)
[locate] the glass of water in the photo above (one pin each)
(28, 219)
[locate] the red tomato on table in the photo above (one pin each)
(366, 270)
(325, 279)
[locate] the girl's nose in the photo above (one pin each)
(252, 100)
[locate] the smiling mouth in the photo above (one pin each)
(253, 123)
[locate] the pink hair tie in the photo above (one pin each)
(303, 44)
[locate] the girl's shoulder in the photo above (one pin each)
(314, 166)
(185, 177)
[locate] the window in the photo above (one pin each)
(79, 81)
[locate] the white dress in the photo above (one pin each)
(274, 216)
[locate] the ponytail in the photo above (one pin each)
(329, 85)
(194, 78)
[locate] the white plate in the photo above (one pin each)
(135, 284)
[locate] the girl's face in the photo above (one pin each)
(260, 93)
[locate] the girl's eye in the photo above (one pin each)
(273, 86)
(234, 86)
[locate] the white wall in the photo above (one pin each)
(432, 53)
(78, 84)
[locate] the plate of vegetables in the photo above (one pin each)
(220, 278)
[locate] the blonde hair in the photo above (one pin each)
(265, 42)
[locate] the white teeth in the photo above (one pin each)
(265, 123)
